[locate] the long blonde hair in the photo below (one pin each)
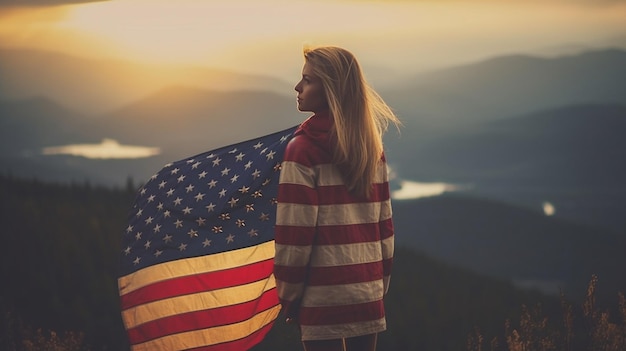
(360, 115)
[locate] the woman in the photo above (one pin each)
(334, 234)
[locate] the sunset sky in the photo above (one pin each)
(267, 36)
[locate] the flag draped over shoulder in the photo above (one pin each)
(197, 255)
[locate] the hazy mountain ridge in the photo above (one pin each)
(508, 86)
(511, 242)
(93, 86)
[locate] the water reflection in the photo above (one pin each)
(414, 190)
(107, 149)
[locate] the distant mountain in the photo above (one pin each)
(95, 86)
(30, 124)
(570, 156)
(578, 145)
(508, 86)
(512, 243)
(184, 120)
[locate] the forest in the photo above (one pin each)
(59, 290)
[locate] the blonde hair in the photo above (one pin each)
(360, 115)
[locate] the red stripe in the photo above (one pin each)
(198, 283)
(387, 264)
(241, 344)
(328, 195)
(202, 319)
(294, 235)
(333, 234)
(348, 274)
(288, 274)
(329, 315)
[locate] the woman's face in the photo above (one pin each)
(310, 90)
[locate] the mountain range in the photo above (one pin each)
(512, 132)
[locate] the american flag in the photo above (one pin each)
(197, 255)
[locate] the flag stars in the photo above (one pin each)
(140, 212)
(191, 160)
(138, 236)
(283, 138)
(212, 155)
(199, 197)
(160, 206)
(201, 221)
(240, 156)
(174, 171)
(233, 202)
(230, 238)
(127, 251)
(277, 167)
(217, 229)
(192, 233)
(249, 207)
(167, 214)
(149, 220)
(212, 183)
(167, 238)
(195, 165)
(181, 178)
(178, 223)
(129, 229)
(157, 228)
(143, 191)
(222, 193)
(264, 217)
(189, 188)
(151, 198)
(274, 201)
(232, 151)
(224, 216)
(182, 247)
(240, 223)
(137, 260)
(202, 175)
(178, 201)
(162, 184)
(258, 145)
(234, 178)
(266, 181)
(206, 243)
(187, 210)
(158, 253)
(270, 155)
(256, 174)
(257, 194)
(225, 171)
(244, 189)
(253, 232)
(248, 165)
(147, 244)
(170, 192)
(217, 161)
(210, 207)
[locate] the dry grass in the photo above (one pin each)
(594, 331)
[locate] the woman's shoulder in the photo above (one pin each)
(305, 150)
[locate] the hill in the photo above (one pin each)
(513, 243)
(569, 156)
(60, 275)
(96, 86)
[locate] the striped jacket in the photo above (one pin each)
(333, 250)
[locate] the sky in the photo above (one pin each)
(266, 37)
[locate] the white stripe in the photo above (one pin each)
(338, 331)
(292, 255)
(346, 254)
(344, 294)
(342, 214)
(388, 247)
(195, 265)
(319, 175)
